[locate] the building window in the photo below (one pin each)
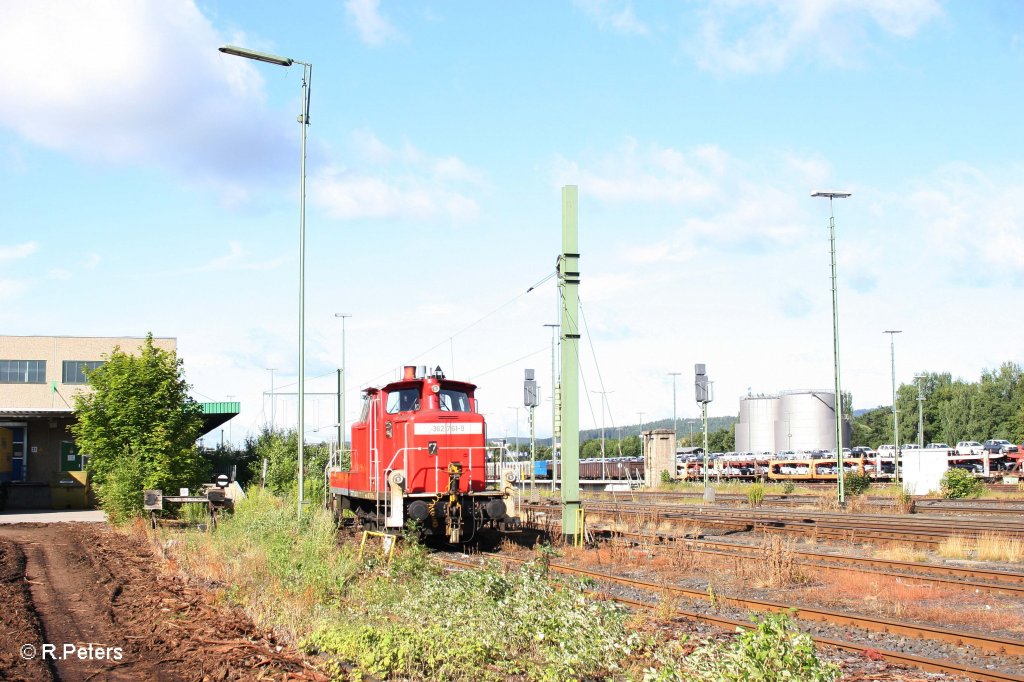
(74, 370)
(22, 371)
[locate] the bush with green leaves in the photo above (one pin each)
(957, 484)
(281, 450)
(755, 495)
(856, 484)
(773, 650)
(139, 410)
(484, 624)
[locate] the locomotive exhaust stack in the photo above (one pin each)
(419, 454)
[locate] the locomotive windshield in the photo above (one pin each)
(403, 400)
(454, 401)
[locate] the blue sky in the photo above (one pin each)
(150, 183)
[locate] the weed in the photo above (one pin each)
(955, 547)
(856, 484)
(777, 567)
(902, 553)
(995, 547)
(755, 495)
(958, 484)
(773, 650)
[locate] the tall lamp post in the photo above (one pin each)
(895, 416)
(307, 77)
(341, 385)
(831, 196)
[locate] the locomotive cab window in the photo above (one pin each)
(453, 401)
(403, 400)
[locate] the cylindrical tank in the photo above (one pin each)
(755, 431)
(806, 420)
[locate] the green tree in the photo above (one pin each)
(280, 448)
(139, 427)
(722, 440)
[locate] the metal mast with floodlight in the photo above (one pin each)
(841, 473)
(307, 78)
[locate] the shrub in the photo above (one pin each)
(788, 487)
(755, 495)
(120, 493)
(517, 625)
(773, 650)
(856, 484)
(957, 484)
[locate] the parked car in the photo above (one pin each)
(910, 446)
(973, 467)
(937, 446)
(998, 446)
(886, 450)
(969, 447)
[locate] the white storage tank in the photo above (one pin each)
(755, 430)
(807, 420)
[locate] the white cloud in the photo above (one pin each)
(651, 174)
(711, 198)
(237, 259)
(373, 27)
(403, 183)
(973, 220)
(137, 83)
(11, 288)
(613, 15)
(59, 273)
(18, 251)
(752, 36)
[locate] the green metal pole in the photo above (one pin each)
(841, 473)
(568, 281)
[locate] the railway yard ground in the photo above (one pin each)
(114, 611)
(665, 584)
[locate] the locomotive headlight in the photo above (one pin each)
(511, 476)
(436, 388)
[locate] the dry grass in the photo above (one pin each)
(994, 547)
(774, 567)
(911, 599)
(956, 547)
(898, 552)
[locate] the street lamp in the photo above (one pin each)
(307, 78)
(835, 339)
(895, 418)
(341, 386)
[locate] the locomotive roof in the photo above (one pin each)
(410, 383)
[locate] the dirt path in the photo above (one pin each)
(101, 601)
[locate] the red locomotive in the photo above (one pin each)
(419, 453)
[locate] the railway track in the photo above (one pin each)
(983, 580)
(913, 530)
(1006, 583)
(993, 645)
(921, 504)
